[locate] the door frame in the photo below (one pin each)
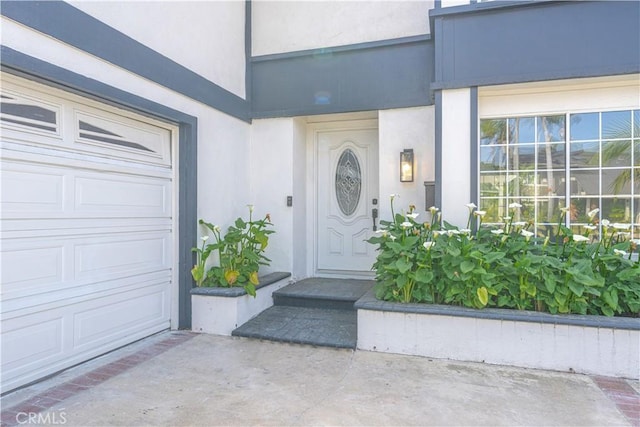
(313, 129)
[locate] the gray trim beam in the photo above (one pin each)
(78, 29)
(516, 42)
(248, 47)
(473, 145)
(363, 77)
(344, 48)
(17, 63)
(438, 146)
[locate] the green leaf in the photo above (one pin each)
(424, 276)
(467, 266)
(550, 283)
(611, 298)
(403, 265)
(483, 295)
(453, 251)
(576, 287)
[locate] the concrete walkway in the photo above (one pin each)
(179, 378)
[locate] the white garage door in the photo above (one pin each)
(87, 237)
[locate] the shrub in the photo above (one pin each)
(240, 253)
(507, 266)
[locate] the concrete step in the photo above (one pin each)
(339, 294)
(313, 311)
(303, 325)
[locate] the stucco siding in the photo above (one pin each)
(288, 26)
(205, 36)
(399, 129)
(456, 176)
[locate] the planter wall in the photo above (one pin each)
(221, 310)
(585, 344)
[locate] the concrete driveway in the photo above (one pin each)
(180, 378)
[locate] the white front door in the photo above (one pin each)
(347, 195)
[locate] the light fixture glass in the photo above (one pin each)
(406, 165)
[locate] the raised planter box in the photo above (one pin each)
(221, 310)
(585, 344)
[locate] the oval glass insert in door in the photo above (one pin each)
(348, 182)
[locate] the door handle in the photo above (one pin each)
(374, 214)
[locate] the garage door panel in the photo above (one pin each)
(38, 190)
(32, 191)
(132, 196)
(68, 228)
(30, 300)
(27, 341)
(32, 115)
(45, 342)
(103, 132)
(18, 269)
(120, 258)
(101, 323)
(87, 229)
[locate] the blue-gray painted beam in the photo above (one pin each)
(485, 44)
(438, 146)
(371, 77)
(76, 28)
(18, 63)
(473, 145)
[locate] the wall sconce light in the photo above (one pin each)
(406, 165)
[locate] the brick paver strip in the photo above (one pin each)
(53, 396)
(626, 398)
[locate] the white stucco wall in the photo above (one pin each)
(205, 36)
(223, 141)
(589, 94)
(399, 129)
(449, 3)
(287, 26)
(271, 166)
(456, 155)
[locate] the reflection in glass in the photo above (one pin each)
(522, 157)
(617, 209)
(551, 183)
(522, 130)
(547, 230)
(636, 123)
(522, 184)
(636, 152)
(527, 212)
(580, 208)
(551, 128)
(616, 153)
(551, 156)
(585, 154)
(616, 124)
(585, 182)
(616, 181)
(549, 209)
(495, 209)
(493, 158)
(584, 126)
(493, 131)
(493, 184)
